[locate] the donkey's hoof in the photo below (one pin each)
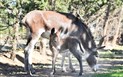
(52, 73)
(29, 73)
(80, 74)
(63, 70)
(25, 69)
(73, 70)
(33, 72)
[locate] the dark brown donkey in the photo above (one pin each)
(70, 43)
(38, 22)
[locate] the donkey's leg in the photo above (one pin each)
(44, 42)
(79, 58)
(66, 53)
(28, 52)
(55, 54)
(26, 59)
(70, 63)
(62, 62)
(45, 36)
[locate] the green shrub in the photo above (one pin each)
(112, 72)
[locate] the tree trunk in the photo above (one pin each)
(14, 45)
(118, 26)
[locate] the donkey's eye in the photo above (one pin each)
(96, 54)
(55, 41)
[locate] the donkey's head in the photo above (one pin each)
(92, 61)
(55, 38)
(91, 58)
(89, 45)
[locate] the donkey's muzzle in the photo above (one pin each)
(95, 68)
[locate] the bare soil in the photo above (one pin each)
(42, 65)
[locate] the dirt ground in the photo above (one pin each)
(42, 66)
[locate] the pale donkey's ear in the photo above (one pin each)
(59, 31)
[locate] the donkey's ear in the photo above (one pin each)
(52, 30)
(101, 47)
(60, 29)
(97, 48)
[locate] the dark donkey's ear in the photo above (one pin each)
(52, 31)
(101, 47)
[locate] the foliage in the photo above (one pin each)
(113, 72)
(6, 16)
(107, 54)
(86, 8)
(12, 11)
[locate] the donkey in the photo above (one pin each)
(37, 22)
(73, 44)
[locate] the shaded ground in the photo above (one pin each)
(42, 66)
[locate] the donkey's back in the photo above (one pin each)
(47, 19)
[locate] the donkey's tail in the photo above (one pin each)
(23, 21)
